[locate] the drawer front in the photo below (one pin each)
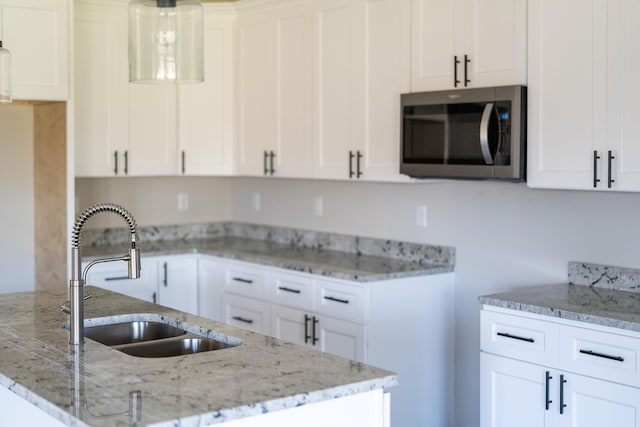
(531, 340)
(341, 300)
(245, 280)
(292, 290)
(600, 354)
(246, 313)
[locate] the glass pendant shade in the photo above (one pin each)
(5, 75)
(166, 41)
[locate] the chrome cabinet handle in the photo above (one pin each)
(484, 133)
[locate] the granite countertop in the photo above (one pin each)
(260, 375)
(601, 295)
(342, 257)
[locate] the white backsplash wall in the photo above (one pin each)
(17, 246)
(506, 236)
(154, 201)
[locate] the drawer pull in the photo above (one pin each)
(243, 320)
(604, 356)
(110, 279)
(342, 301)
(285, 289)
(515, 337)
(241, 280)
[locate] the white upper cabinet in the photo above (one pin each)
(583, 130)
(274, 91)
(101, 90)
(468, 43)
(37, 34)
(205, 112)
(124, 129)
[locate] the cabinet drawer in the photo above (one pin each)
(292, 291)
(523, 338)
(245, 313)
(600, 354)
(245, 280)
(341, 300)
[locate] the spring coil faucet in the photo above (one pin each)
(78, 277)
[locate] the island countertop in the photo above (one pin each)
(260, 375)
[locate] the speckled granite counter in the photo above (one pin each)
(597, 294)
(261, 375)
(345, 257)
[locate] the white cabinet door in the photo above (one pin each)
(338, 81)
(567, 94)
(512, 393)
(256, 113)
(293, 90)
(291, 325)
(495, 42)
(386, 76)
(178, 282)
(592, 403)
(37, 34)
(435, 37)
(468, 43)
(245, 313)
(342, 338)
(101, 90)
(205, 131)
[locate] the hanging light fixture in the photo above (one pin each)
(5, 75)
(166, 41)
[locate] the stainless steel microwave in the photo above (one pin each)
(465, 133)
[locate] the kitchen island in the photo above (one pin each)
(101, 386)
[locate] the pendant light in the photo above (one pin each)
(5, 75)
(166, 41)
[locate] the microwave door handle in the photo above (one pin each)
(484, 133)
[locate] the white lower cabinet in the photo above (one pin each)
(245, 313)
(178, 282)
(569, 392)
(113, 276)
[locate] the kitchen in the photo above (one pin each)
(506, 235)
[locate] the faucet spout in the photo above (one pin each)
(78, 277)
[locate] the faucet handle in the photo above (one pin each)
(65, 306)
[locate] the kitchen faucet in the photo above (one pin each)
(78, 277)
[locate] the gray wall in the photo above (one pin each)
(506, 236)
(17, 246)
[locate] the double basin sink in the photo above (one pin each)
(153, 336)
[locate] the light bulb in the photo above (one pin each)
(5, 75)
(166, 37)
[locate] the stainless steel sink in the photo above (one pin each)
(172, 347)
(131, 332)
(150, 335)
